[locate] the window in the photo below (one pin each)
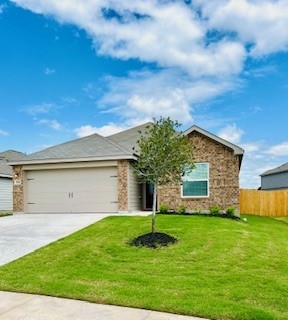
(196, 182)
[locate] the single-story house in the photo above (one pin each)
(6, 185)
(95, 174)
(275, 179)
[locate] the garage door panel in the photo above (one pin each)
(72, 190)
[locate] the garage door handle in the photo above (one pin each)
(71, 194)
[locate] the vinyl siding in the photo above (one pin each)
(134, 191)
(5, 194)
(275, 181)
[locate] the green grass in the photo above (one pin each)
(5, 213)
(219, 269)
(284, 219)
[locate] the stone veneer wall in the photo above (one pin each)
(223, 177)
(18, 195)
(122, 185)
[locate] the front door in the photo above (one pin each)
(149, 188)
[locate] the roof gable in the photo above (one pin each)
(237, 150)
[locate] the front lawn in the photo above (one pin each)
(218, 269)
(284, 219)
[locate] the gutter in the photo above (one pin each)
(70, 160)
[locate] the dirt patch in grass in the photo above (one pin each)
(154, 240)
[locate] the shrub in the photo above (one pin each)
(230, 212)
(163, 208)
(214, 210)
(181, 210)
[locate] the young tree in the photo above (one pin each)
(163, 154)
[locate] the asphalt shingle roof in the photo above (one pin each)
(282, 168)
(128, 138)
(93, 146)
(116, 146)
(5, 157)
(5, 170)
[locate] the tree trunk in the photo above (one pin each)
(154, 208)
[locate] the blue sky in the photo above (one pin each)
(71, 68)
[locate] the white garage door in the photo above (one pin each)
(72, 190)
(6, 193)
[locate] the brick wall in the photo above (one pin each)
(122, 185)
(223, 177)
(18, 196)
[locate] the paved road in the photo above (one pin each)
(21, 234)
(16, 306)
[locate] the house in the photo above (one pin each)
(6, 203)
(95, 174)
(215, 179)
(275, 179)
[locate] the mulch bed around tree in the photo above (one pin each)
(154, 240)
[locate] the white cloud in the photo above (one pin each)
(261, 24)
(173, 29)
(258, 158)
(175, 105)
(251, 147)
(105, 130)
(48, 71)
(110, 128)
(4, 133)
(41, 108)
(200, 48)
(231, 133)
(254, 164)
(279, 149)
(203, 38)
(147, 94)
(85, 130)
(54, 124)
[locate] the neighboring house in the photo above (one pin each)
(275, 179)
(6, 187)
(95, 174)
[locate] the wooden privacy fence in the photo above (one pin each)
(264, 203)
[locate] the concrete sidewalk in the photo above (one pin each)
(23, 306)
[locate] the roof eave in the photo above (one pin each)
(270, 173)
(69, 160)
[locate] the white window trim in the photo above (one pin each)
(208, 184)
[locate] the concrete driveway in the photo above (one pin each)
(21, 234)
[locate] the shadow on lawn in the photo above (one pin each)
(153, 240)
